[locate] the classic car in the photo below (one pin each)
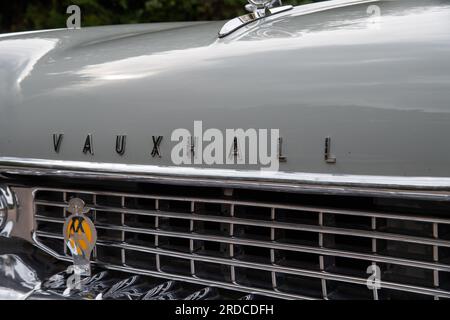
(107, 163)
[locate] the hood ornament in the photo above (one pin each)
(80, 236)
(258, 9)
(262, 7)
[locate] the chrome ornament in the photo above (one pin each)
(261, 6)
(80, 236)
(258, 9)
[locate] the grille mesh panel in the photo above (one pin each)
(297, 247)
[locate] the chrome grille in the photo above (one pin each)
(293, 246)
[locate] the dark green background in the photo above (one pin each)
(20, 15)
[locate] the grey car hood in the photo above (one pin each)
(379, 88)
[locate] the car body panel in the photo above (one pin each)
(379, 88)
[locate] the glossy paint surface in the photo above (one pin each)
(380, 87)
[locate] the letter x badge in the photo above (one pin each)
(156, 152)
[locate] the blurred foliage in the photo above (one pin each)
(19, 15)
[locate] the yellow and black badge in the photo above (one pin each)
(80, 235)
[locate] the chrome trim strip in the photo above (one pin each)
(395, 186)
(328, 5)
(25, 33)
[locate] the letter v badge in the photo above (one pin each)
(57, 140)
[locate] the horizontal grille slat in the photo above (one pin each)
(219, 241)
